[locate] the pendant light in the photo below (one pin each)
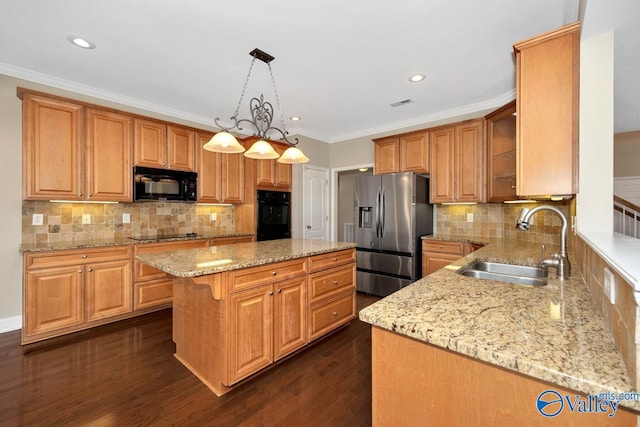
(261, 118)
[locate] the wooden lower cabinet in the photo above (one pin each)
(437, 254)
(231, 325)
(413, 381)
(66, 291)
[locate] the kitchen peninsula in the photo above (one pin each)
(239, 308)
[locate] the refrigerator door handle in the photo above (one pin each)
(383, 202)
(378, 212)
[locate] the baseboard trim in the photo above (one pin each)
(10, 324)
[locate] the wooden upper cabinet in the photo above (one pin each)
(547, 89)
(386, 155)
(108, 154)
(181, 154)
(162, 146)
(150, 143)
(271, 175)
(402, 153)
(457, 163)
(501, 154)
(220, 176)
(52, 149)
(414, 152)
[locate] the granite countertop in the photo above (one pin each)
(199, 262)
(553, 333)
(99, 243)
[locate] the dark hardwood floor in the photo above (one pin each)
(125, 374)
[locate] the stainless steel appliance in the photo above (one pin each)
(274, 215)
(164, 185)
(392, 213)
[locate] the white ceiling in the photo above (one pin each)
(339, 64)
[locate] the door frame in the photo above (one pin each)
(333, 183)
(305, 168)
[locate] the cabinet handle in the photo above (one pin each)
(270, 293)
(335, 282)
(335, 313)
(273, 273)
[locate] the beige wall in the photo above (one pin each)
(11, 178)
(626, 154)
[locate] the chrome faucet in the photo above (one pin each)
(559, 261)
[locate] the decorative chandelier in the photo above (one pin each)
(261, 118)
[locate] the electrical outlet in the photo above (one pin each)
(38, 219)
(126, 218)
(610, 285)
(469, 217)
(214, 217)
(86, 218)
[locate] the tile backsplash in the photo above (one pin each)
(499, 220)
(63, 221)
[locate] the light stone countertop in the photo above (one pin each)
(553, 333)
(199, 262)
(121, 241)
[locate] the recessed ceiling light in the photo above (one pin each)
(295, 118)
(417, 78)
(81, 42)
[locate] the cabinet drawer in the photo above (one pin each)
(143, 272)
(331, 315)
(151, 294)
(76, 256)
(329, 282)
(249, 277)
(439, 246)
(332, 259)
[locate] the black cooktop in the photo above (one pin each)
(164, 236)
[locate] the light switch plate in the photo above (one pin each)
(214, 216)
(126, 218)
(86, 218)
(469, 217)
(38, 219)
(610, 285)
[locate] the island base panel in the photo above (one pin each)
(414, 382)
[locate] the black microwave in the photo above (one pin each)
(151, 184)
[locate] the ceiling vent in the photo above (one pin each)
(403, 102)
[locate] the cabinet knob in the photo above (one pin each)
(279, 291)
(441, 247)
(335, 282)
(273, 273)
(79, 194)
(335, 259)
(89, 195)
(79, 271)
(335, 313)
(91, 269)
(84, 256)
(270, 293)
(513, 187)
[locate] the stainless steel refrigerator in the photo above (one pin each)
(392, 213)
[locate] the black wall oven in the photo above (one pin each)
(274, 215)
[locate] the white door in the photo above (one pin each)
(315, 211)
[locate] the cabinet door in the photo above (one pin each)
(501, 154)
(233, 178)
(109, 147)
(469, 175)
(283, 172)
(433, 261)
(386, 156)
(150, 143)
(250, 331)
(442, 165)
(289, 328)
(108, 289)
(414, 152)
(53, 299)
(52, 149)
(181, 150)
(209, 168)
(547, 89)
(266, 174)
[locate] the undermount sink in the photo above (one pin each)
(510, 273)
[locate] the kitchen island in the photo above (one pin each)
(239, 308)
(456, 350)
